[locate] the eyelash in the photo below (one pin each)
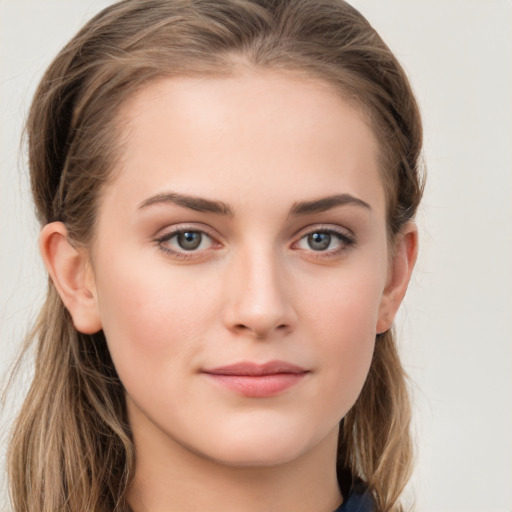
(345, 239)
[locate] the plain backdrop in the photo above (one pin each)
(456, 324)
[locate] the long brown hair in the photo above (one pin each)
(71, 447)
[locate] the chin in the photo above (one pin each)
(261, 449)
(253, 457)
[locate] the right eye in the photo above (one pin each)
(185, 243)
(188, 240)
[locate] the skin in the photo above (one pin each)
(256, 289)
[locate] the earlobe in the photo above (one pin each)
(72, 276)
(400, 270)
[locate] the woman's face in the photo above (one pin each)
(240, 265)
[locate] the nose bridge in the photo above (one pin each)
(259, 302)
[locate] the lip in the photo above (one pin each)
(257, 380)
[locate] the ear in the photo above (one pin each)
(399, 274)
(72, 275)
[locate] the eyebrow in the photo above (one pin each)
(201, 204)
(327, 203)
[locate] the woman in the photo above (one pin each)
(226, 192)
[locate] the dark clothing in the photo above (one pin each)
(357, 502)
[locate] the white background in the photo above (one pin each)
(456, 324)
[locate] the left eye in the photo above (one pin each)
(189, 240)
(322, 241)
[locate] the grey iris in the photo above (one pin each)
(319, 241)
(189, 240)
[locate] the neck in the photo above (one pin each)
(169, 476)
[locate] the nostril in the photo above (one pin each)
(263, 332)
(244, 328)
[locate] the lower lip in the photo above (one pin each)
(258, 386)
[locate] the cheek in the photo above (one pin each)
(342, 318)
(345, 306)
(148, 320)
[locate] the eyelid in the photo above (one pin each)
(185, 226)
(333, 228)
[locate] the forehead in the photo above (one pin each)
(253, 132)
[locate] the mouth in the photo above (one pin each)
(257, 380)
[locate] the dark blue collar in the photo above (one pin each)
(357, 502)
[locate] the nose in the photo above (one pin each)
(259, 297)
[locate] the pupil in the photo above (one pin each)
(189, 240)
(319, 241)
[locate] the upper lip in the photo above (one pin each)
(254, 369)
